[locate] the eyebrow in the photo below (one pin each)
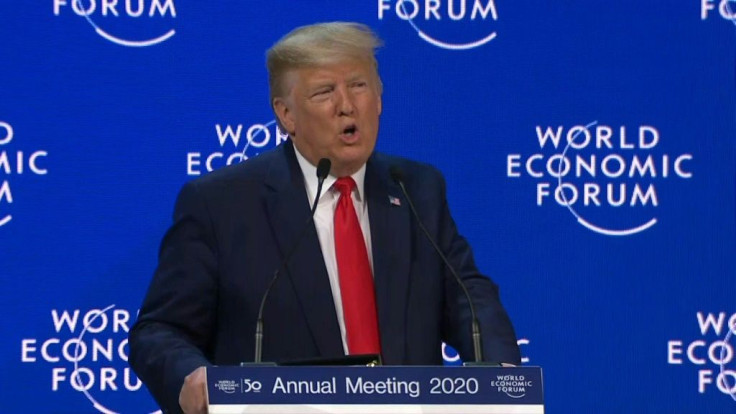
(356, 76)
(314, 85)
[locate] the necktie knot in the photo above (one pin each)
(345, 185)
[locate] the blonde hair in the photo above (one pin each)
(316, 45)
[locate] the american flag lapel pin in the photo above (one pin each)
(394, 201)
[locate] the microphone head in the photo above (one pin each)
(396, 174)
(323, 168)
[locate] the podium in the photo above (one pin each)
(382, 389)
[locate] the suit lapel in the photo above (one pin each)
(288, 211)
(390, 239)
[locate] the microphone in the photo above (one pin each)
(323, 169)
(398, 176)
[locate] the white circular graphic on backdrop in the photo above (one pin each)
(585, 223)
(725, 375)
(4, 186)
(408, 10)
(156, 5)
(77, 351)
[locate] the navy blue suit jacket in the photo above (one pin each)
(231, 230)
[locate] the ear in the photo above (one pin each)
(284, 114)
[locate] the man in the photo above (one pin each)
(233, 227)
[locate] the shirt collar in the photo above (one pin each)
(310, 177)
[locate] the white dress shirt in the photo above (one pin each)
(325, 225)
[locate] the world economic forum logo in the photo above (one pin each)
(447, 24)
(725, 8)
(15, 162)
(132, 23)
(712, 349)
(237, 143)
(607, 177)
(86, 352)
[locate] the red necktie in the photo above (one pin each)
(354, 270)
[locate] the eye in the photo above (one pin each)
(359, 84)
(321, 93)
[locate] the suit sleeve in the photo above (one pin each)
(499, 338)
(173, 333)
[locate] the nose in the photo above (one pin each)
(345, 104)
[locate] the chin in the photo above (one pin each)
(347, 166)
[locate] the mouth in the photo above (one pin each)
(349, 133)
(350, 130)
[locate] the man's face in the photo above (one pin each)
(332, 111)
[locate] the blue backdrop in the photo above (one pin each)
(588, 148)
